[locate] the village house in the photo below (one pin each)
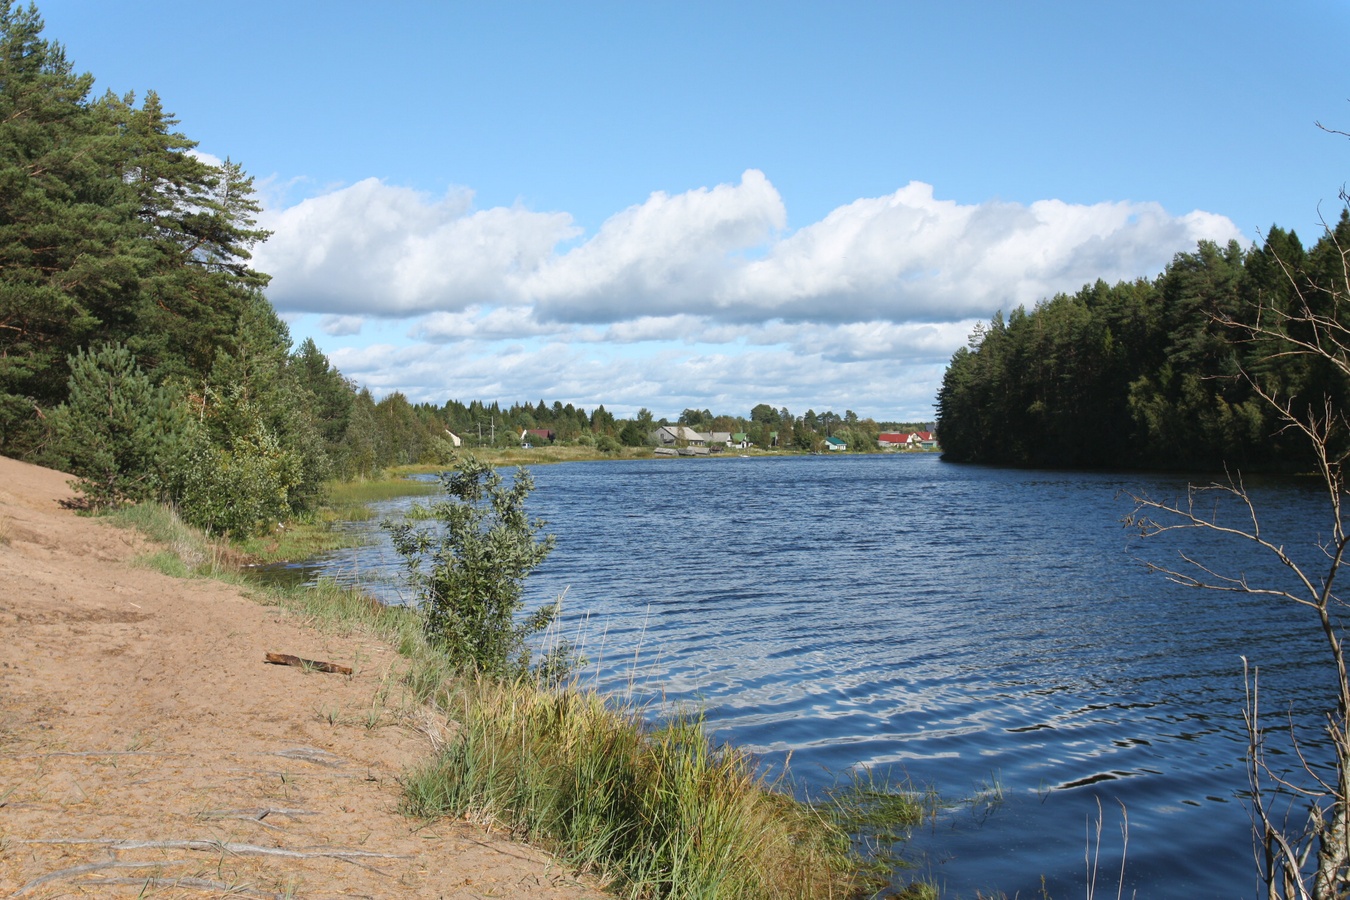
(544, 435)
(907, 440)
(672, 435)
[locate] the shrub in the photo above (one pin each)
(239, 489)
(467, 571)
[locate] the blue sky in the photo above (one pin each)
(715, 205)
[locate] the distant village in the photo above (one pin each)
(681, 440)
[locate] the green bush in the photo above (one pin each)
(239, 489)
(467, 571)
(116, 431)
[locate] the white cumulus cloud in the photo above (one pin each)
(721, 253)
(668, 255)
(341, 326)
(910, 256)
(689, 299)
(381, 250)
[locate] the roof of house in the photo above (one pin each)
(892, 437)
(837, 442)
(681, 433)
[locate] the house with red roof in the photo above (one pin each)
(907, 440)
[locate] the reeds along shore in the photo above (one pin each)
(654, 807)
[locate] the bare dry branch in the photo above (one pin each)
(230, 847)
(73, 871)
(1300, 813)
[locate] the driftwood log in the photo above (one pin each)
(285, 659)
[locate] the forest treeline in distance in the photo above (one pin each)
(1157, 374)
(138, 349)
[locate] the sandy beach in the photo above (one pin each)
(147, 750)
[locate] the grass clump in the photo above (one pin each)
(880, 816)
(186, 551)
(659, 810)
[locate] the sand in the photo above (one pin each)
(147, 750)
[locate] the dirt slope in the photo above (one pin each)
(146, 750)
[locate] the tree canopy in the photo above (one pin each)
(1144, 374)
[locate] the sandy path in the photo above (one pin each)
(136, 708)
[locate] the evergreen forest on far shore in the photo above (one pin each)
(1160, 374)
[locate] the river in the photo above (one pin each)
(988, 633)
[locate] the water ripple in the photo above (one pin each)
(942, 625)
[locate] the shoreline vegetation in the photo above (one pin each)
(643, 799)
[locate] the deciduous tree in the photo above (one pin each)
(468, 570)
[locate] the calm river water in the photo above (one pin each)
(952, 627)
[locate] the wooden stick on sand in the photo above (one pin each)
(285, 659)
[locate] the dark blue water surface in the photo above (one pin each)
(952, 627)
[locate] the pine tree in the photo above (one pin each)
(117, 431)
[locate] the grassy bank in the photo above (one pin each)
(657, 809)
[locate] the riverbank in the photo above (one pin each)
(146, 745)
(146, 749)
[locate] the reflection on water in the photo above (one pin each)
(947, 626)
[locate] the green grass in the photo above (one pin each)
(656, 809)
(544, 454)
(185, 552)
(345, 495)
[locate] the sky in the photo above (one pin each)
(715, 205)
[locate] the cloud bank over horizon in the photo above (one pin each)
(703, 299)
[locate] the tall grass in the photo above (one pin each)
(346, 495)
(657, 809)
